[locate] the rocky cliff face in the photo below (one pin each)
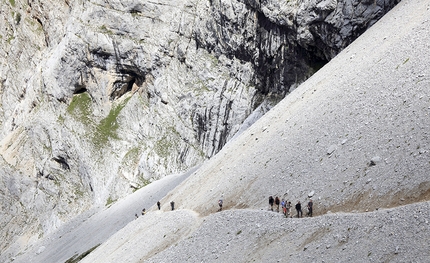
(285, 41)
(101, 97)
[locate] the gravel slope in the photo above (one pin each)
(262, 236)
(356, 135)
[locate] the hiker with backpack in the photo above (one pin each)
(310, 204)
(172, 204)
(299, 209)
(288, 207)
(284, 207)
(277, 201)
(271, 201)
(220, 204)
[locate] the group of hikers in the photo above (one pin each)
(172, 205)
(286, 206)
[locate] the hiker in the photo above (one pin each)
(143, 211)
(220, 205)
(310, 204)
(288, 206)
(277, 204)
(299, 209)
(271, 201)
(172, 204)
(284, 207)
(159, 205)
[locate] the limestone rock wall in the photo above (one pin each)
(99, 98)
(285, 41)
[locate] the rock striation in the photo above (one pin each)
(99, 98)
(285, 41)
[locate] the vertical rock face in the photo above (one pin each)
(101, 97)
(285, 41)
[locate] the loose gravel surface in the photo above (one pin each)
(396, 235)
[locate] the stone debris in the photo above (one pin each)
(331, 149)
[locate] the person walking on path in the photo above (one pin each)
(288, 206)
(172, 204)
(277, 204)
(271, 201)
(220, 205)
(310, 204)
(284, 207)
(159, 205)
(299, 209)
